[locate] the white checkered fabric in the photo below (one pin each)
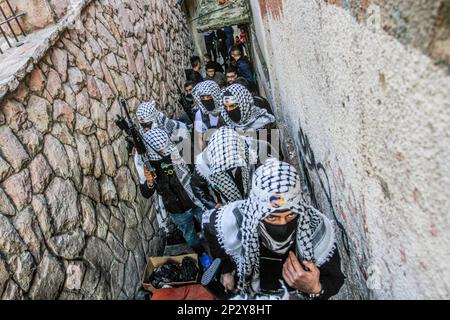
(148, 112)
(208, 88)
(227, 150)
(159, 146)
(252, 117)
(272, 178)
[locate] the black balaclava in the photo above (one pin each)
(190, 99)
(209, 104)
(283, 232)
(235, 114)
(147, 125)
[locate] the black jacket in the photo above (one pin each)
(193, 76)
(262, 103)
(174, 196)
(217, 66)
(202, 191)
(331, 276)
(245, 70)
(209, 196)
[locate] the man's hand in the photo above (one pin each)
(149, 177)
(218, 205)
(228, 282)
(300, 279)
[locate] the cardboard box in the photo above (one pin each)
(155, 262)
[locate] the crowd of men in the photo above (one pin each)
(229, 202)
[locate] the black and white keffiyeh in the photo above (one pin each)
(226, 151)
(148, 112)
(160, 146)
(275, 187)
(208, 88)
(252, 117)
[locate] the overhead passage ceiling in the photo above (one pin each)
(213, 15)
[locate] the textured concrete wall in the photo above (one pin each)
(367, 110)
(73, 224)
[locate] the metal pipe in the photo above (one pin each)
(15, 17)
(6, 37)
(11, 18)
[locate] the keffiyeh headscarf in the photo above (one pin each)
(148, 112)
(208, 88)
(226, 151)
(160, 146)
(276, 187)
(252, 117)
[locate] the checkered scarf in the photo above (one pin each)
(227, 150)
(160, 146)
(208, 88)
(252, 117)
(275, 187)
(148, 112)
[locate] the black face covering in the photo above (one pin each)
(189, 99)
(235, 115)
(209, 104)
(147, 125)
(281, 233)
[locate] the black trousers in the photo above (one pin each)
(211, 50)
(224, 53)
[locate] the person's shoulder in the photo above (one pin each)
(245, 59)
(198, 116)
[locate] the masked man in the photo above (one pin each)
(240, 112)
(274, 235)
(150, 117)
(208, 97)
(171, 179)
(223, 170)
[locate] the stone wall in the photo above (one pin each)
(73, 224)
(362, 91)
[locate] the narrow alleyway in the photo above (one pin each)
(357, 95)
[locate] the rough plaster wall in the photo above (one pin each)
(422, 24)
(73, 224)
(370, 119)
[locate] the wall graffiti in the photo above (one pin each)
(311, 166)
(324, 182)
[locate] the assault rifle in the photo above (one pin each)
(134, 137)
